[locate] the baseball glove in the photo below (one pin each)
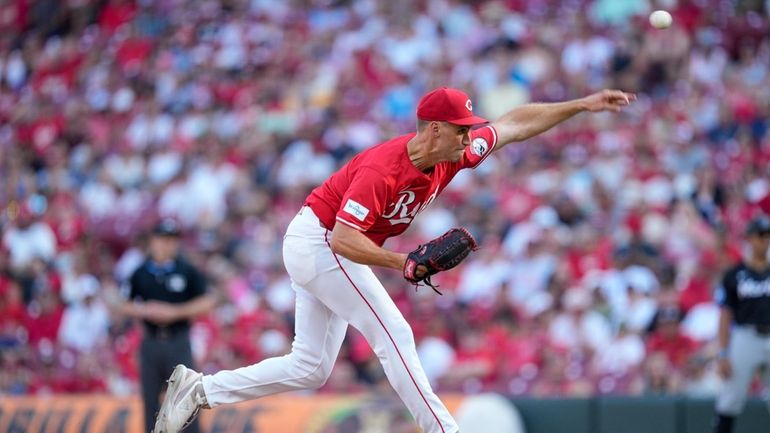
(443, 253)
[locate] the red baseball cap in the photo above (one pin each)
(448, 105)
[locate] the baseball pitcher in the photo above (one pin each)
(337, 236)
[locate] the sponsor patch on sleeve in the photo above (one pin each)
(479, 146)
(356, 209)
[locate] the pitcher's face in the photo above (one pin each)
(452, 141)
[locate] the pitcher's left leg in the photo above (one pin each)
(363, 302)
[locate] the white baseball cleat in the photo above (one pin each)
(184, 399)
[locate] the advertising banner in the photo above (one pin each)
(286, 413)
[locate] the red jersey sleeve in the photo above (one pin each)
(365, 199)
(483, 141)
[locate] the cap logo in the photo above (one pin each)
(468, 105)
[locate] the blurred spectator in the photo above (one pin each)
(667, 339)
(473, 362)
(12, 314)
(660, 377)
(701, 378)
(578, 326)
(85, 321)
(28, 238)
(622, 355)
(43, 321)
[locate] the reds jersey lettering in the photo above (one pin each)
(401, 208)
(380, 191)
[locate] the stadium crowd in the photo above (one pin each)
(602, 240)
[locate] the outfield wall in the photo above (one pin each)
(347, 414)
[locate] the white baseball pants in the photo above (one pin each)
(333, 291)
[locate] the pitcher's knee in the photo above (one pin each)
(397, 333)
(312, 375)
(318, 378)
(402, 333)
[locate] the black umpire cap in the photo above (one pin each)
(759, 225)
(167, 227)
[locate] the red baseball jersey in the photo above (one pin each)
(380, 191)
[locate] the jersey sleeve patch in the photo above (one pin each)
(483, 141)
(357, 210)
(479, 146)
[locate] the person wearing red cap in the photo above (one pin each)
(338, 234)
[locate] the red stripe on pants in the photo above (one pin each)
(386, 332)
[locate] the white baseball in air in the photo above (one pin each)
(661, 19)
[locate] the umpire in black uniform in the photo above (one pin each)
(744, 324)
(166, 292)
